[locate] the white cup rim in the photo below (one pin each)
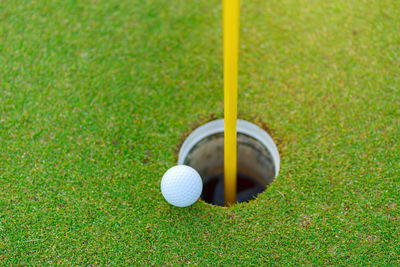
(243, 127)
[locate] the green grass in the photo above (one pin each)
(96, 96)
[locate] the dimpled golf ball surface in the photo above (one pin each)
(181, 186)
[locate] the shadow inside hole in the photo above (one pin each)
(247, 189)
(254, 165)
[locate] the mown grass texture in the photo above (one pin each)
(96, 96)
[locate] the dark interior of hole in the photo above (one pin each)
(247, 189)
(255, 165)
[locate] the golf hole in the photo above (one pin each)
(257, 160)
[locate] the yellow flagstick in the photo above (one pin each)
(231, 11)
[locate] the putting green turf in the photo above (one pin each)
(96, 96)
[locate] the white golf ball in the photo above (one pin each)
(181, 186)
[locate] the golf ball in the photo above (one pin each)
(181, 186)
